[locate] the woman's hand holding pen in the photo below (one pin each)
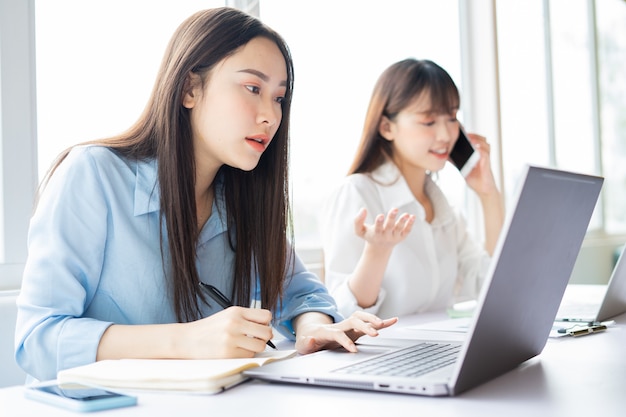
(314, 331)
(236, 332)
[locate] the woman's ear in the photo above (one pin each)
(192, 90)
(385, 128)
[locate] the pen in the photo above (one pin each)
(224, 302)
(586, 330)
(583, 322)
(578, 325)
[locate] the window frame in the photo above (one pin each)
(18, 135)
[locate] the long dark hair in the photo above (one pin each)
(257, 202)
(397, 87)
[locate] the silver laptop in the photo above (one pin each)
(531, 266)
(613, 303)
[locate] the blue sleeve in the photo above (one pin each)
(66, 243)
(303, 292)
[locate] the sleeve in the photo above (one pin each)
(66, 243)
(342, 247)
(473, 263)
(304, 292)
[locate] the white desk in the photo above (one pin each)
(572, 377)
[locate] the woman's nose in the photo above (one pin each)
(446, 133)
(270, 113)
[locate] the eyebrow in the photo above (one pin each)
(432, 111)
(261, 75)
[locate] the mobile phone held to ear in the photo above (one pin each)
(78, 397)
(463, 155)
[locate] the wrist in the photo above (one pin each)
(377, 252)
(310, 318)
(490, 197)
(174, 341)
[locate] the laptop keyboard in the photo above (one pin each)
(409, 362)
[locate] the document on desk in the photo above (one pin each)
(566, 328)
(208, 376)
(458, 321)
(456, 325)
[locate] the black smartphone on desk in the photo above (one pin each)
(463, 155)
(78, 397)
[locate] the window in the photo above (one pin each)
(560, 91)
(17, 136)
(106, 75)
(95, 74)
(563, 94)
(339, 50)
(611, 61)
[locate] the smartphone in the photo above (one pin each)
(463, 155)
(78, 397)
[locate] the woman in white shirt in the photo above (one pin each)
(396, 264)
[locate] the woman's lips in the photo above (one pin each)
(258, 143)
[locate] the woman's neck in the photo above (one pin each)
(415, 178)
(204, 205)
(204, 192)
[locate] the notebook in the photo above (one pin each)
(613, 303)
(206, 376)
(516, 307)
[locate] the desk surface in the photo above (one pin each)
(572, 377)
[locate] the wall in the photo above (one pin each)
(10, 373)
(596, 260)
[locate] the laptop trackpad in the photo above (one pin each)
(322, 361)
(331, 359)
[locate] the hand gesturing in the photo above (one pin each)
(386, 231)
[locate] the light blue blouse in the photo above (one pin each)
(94, 259)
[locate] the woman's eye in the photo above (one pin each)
(428, 123)
(253, 89)
(280, 100)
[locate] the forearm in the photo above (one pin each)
(154, 341)
(366, 280)
(493, 211)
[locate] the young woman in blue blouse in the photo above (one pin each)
(126, 228)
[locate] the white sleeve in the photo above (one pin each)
(342, 247)
(473, 263)
(346, 301)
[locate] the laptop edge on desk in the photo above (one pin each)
(529, 272)
(613, 302)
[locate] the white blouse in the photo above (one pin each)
(438, 263)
